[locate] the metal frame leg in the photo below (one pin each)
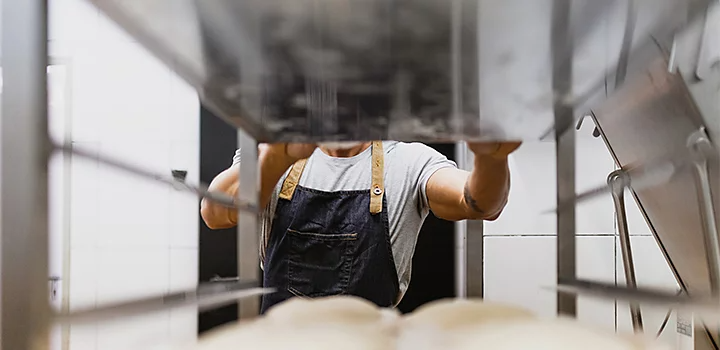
(475, 259)
(562, 48)
(25, 153)
(461, 235)
(617, 180)
(248, 228)
(468, 243)
(700, 145)
(566, 250)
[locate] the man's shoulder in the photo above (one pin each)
(410, 150)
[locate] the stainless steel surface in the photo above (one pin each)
(474, 248)
(562, 41)
(650, 118)
(427, 70)
(616, 181)
(461, 273)
(709, 54)
(25, 150)
(643, 175)
(699, 144)
(640, 128)
(201, 190)
(566, 242)
(207, 296)
(475, 262)
(461, 259)
(468, 243)
(421, 70)
(248, 228)
(706, 305)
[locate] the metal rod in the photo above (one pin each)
(628, 35)
(562, 48)
(248, 228)
(25, 153)
(461, 234)
(456, 73)
(460, 259)
(700, 144)
(566, 250)
(474, 259)
(639, 295)
(201, 191)
(651, 174)
(207, 296)
(616, 181)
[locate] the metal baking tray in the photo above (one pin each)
(421, 70)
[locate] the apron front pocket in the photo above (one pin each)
(319, 264)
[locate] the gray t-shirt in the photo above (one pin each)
(408, 166)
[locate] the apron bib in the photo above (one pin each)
(329, 243)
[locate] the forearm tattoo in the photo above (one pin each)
(470, 200)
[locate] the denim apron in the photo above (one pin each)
(330, 243)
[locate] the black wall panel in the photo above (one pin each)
(217, 248)
(433, 273)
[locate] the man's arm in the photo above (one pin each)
(273, 161)
(455, 194)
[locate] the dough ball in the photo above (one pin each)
(646, 341)
(265, 335)
(334, 309)
(454, 313)
(559, 334)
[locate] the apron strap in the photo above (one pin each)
(292, 180)
(378, 170)
(377, 188)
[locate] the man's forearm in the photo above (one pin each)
(487, 187)
(272, 162)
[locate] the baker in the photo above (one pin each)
(343, 218)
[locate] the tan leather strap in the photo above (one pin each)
(292, 180)
(378, 186)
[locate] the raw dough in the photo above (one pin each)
(334, 309)
(453, 313)
(265, 335)
(645, 341)
(558, 334)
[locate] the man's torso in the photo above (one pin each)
(407, 169)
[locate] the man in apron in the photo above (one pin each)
(344, 218)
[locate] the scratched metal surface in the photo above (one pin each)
(425, 70)
(653, 116)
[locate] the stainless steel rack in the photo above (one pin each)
(645, 71)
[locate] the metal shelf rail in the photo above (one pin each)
(26, 148)
(227, 53)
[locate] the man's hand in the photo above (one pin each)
(498, 150)
(456, 194)
(273, 159)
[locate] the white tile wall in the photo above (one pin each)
(532, 169)
(520, 245)
(129, 237)
(518, 270)
(84, 189)
(636, 222)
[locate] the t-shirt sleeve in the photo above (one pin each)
(430, 161)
